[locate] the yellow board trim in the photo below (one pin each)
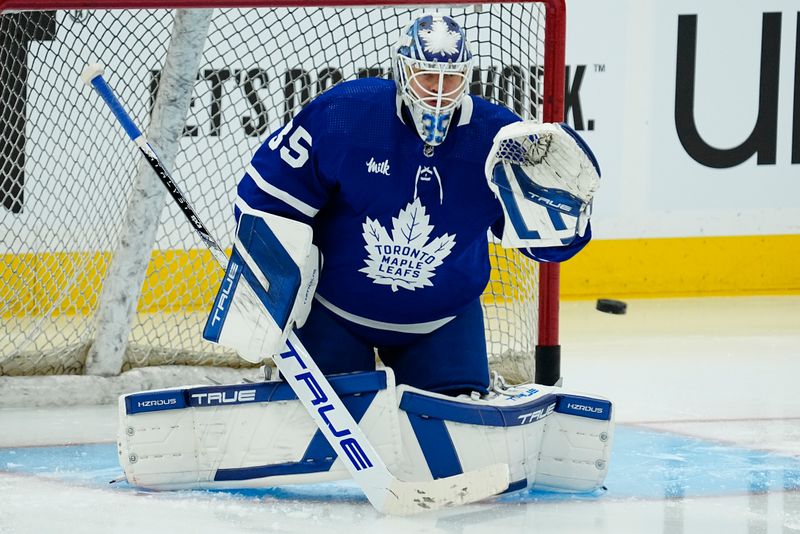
(70, 282)
(682, 267)
(669, 267)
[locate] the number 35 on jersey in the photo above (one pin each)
(296, 154)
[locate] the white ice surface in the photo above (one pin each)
(725, 370)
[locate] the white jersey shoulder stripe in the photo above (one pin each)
(398, 103)
(405, 328)
(280, 194)
(466, 111)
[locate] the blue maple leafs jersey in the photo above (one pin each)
(403, 233)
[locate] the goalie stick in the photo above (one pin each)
(383, 490)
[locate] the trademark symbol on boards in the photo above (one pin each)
(599, 67)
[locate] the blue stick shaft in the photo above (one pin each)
(104, 90)
(108, 96)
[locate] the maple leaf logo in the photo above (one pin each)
(405, 259)
(439, 39)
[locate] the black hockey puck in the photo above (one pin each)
(617, 307)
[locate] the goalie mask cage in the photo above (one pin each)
(99, 271)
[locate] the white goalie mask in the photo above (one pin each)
(432, 63)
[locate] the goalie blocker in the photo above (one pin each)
(268, 286)
(258, 435)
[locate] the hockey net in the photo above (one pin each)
(72, 190)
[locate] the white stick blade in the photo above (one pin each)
(407, 498)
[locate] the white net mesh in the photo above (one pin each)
(68, 171)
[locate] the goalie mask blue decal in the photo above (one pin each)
(435, 127)
(432, 63)
(436, 39)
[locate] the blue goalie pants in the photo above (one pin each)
(452, 359)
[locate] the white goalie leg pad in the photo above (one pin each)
(258, 435)
(550, 439)
(268, 286)
(577, 444)
(246, 435)
(545, 177)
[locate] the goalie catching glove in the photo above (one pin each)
(545, 176)
(268, 286)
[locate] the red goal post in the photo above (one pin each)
(48, 282)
